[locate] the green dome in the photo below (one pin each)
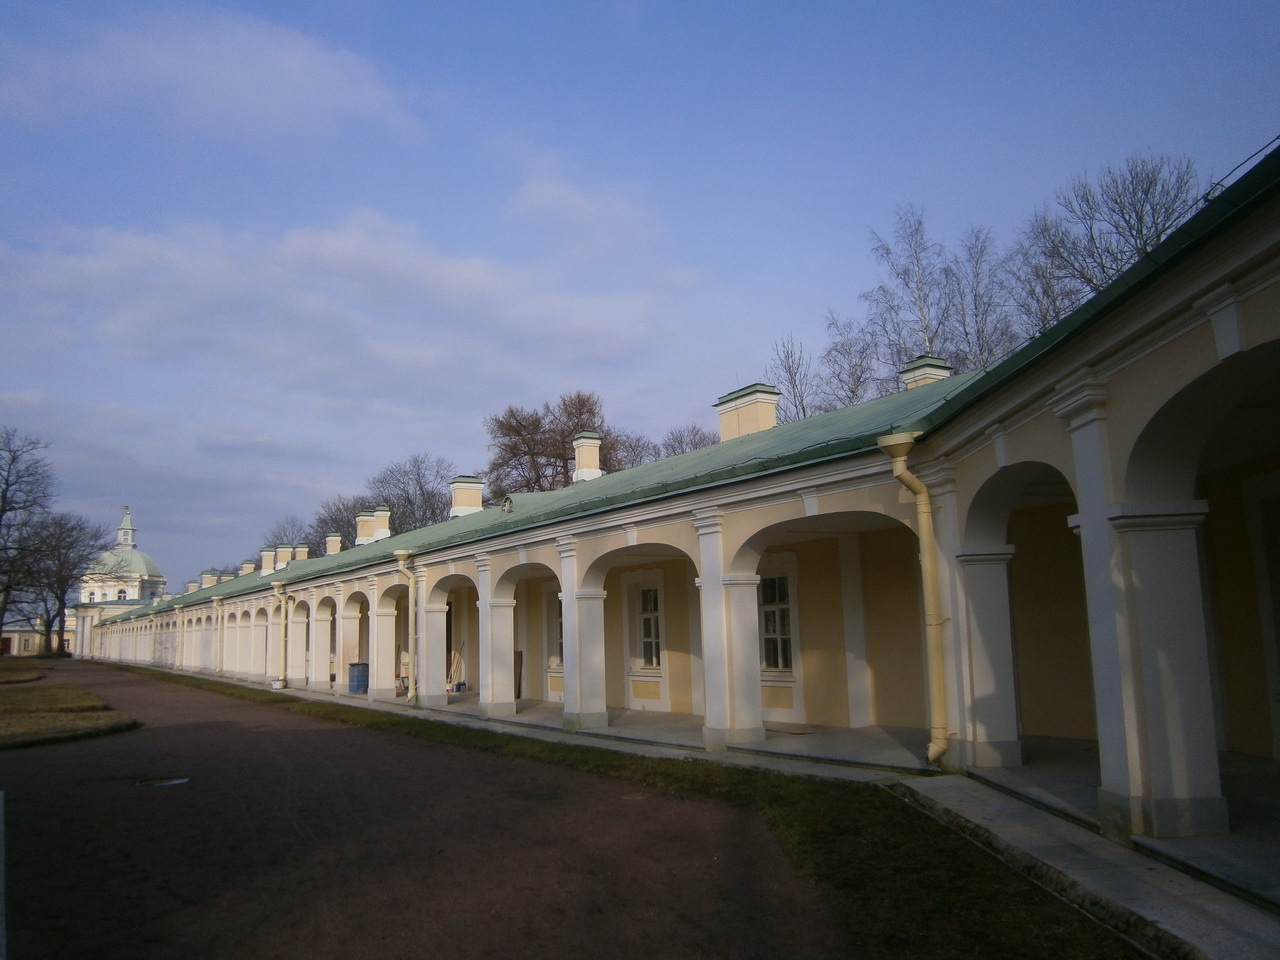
(124, 562)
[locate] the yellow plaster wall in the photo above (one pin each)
(1258, 317)
(615, 648)
(895, 632)
(1050, 625)
(820, 632)
(677, 581)
(1236, 608)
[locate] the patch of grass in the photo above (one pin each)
(33, 729)
(52, 698)
(901, 884)
(18, 670)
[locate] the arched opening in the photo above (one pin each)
(1028, 660)
(535, 645)
(1202, 542)
(391, 663)
(323, 669)
(355, 644)
(260, 640)
(841, 637)
(451, 648)
(300, 643)
(651, 629)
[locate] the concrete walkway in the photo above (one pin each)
(1216, 897)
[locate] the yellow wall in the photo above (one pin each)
(677, 581)
(1236, 606)
(1050, 625)
(820, 632)
(895, 632)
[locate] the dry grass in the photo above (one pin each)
(47, 714)
(33, 729)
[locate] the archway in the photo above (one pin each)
(1028, 659)
(841, 638)
(526, 628)
(639, 607)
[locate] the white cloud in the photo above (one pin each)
(213, 73)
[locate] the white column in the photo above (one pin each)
(1082, 404)
(497, 660)
(730, 644)
(1183, 794)
(584, 661)
(433, 666)
(382, 647)
(990, 737)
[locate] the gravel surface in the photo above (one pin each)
(222, 828)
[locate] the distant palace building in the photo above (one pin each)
(123, 576)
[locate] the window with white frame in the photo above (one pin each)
(650, 633)
(777, 614)
(645, 616)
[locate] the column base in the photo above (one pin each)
(498, 710)
(715, 739)
(384, 693)
(432, 700)
(573, 722)
(985, 753)
(1186, 817)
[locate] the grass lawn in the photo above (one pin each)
(47, 714)
(902, 884)
(15, 670)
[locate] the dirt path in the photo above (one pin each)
(292, 837)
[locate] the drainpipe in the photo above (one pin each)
(897, 446)
(277, 587)
(402, 561)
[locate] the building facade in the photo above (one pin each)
(1078, 545)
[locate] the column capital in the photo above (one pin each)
(501, 604)
(1080, 400)
(987, 556)
(483, 563)
(708, 522)
(567, 547)
(589, 595)
(741, 580)
(1178, 515)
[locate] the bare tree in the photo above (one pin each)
(62, 547)
(26, 491)
(848, 364)
(910, 313)
(532, 449)
(1098, 230)
(622, 449)
(337, 515)
(792, 371)
(416, 489)
(980, 321)
(691, 436)
(290, 530)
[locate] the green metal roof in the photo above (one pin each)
(848, 432)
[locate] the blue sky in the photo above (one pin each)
(252, 252)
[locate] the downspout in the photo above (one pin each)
(277, 588)
(897, 446)
(402, 561)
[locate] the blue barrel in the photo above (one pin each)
(357, 678)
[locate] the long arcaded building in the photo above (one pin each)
(1080, 545)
